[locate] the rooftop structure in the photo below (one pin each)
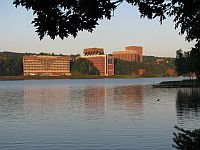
(93, 51)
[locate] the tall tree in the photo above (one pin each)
(182, 62)
(195, 61)
(67, 17)
(186, 139)
(124, 67)
(188, 62)
(83, 66)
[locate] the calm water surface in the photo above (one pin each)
(94, 114)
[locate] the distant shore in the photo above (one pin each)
(10, 78)
(189, 83)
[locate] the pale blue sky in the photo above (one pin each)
(124, 29)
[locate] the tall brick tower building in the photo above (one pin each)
(104, 63)
(131, 53)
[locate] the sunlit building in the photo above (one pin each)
(46, 65)
(104, 63)
(140, 71)
(131, 53)
(170, 72)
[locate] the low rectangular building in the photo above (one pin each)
(46, 65)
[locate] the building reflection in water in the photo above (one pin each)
(46, 99)
(188, 103)
(91, 100)
(94, 99)
(129, 97)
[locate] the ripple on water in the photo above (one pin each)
(93, 114)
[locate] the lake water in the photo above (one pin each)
(94, 114)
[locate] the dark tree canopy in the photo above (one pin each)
(67, 17)
(186, 139)
(188, 62)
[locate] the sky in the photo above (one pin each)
(126, 28)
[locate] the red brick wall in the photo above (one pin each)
(125, 56)
(140, 71)
(170, 72)
(99, 63)
(139, 50)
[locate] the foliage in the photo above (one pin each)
(124, 67)
(67, 17)
(10, 64)
(186, 139)
(154, 69)
(183, 62)
(75, 55)
(188, 62)
(149, 65)
(195, 61)
(46, 54)
(83, 66)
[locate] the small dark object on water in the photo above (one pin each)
(158, 99)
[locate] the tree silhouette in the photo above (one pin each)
(195, 61)
(188, 62)
(186, 139)
(83, 66)
(182, 62)
(67, 17)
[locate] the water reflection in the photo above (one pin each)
(11, 101)
(188, 103)
(46, 99)
(129, 97)
(83, 113)
(92, 100)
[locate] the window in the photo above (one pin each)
(110, 61)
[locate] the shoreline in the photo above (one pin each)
(189, 83)
(17, 78)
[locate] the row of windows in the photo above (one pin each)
(45, 65)
(43, 60)
(46, 68)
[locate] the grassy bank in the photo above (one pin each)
(5, 78)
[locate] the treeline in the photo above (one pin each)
(188, 63)
(11, 64)
(125, 67)
(149, 64)
(82, 66)
(154, 68)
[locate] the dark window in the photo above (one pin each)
(109, 61)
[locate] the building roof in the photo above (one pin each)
(45, 57)
(93, 51)
(133, 47)
(125, 52)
